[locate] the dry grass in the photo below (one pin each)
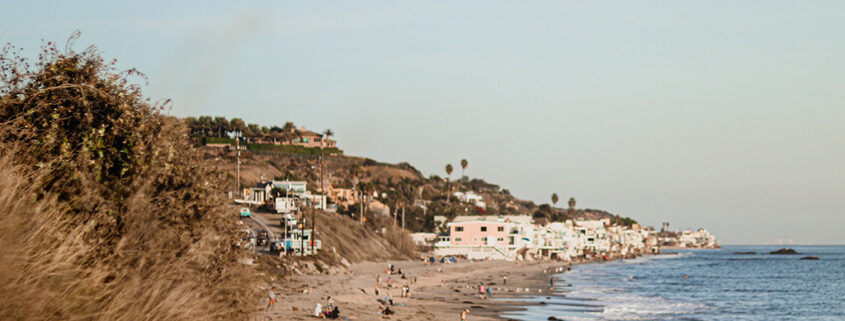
(341, 236)
(105, 212)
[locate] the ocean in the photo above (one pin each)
(719, 285)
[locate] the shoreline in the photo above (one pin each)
(430, 298)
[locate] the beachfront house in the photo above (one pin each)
(592, 236)
(487, 237)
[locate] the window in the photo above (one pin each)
(500, 229)
(459, 228)
(500, 239)
(458, 239)
(484, 229)
(484, 239)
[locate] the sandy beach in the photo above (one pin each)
(440, 292)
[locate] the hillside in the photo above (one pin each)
(397, 186)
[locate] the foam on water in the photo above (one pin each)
(700, 285)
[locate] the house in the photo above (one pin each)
(470, 197)
(291, 187)
(424, 239)
(486, 237)
(309, 138)
(342, 196)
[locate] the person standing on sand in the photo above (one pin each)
(464, 314)
(505, 280)
(272, 298)
(551, 283)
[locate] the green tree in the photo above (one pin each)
(328, 133)
(237, 125)
(554, 199)
(448, 177)
(193, 126)
(464, 164)
(221, 125)
(571, 206)
(206, 124)
(253, 130)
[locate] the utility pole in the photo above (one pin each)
(322, 203)
(238, 150)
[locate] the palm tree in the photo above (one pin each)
(464, 165)
(571, 206)
(222, 125)
(237, 125)
(448, 176)
(206, 125)
(554, 199)
(253, 130)
(328, 133)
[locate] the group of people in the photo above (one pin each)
(330, 311)
(484, 291)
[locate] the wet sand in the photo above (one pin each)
(435, 295)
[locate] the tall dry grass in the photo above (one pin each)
(106, 212)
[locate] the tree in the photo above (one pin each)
(571, 206)
(464, 165)
(237, 125)
(193, 126)
(206, 125)
(554, 199)
(221, 125)
(448, 176)
(328, 133)
(253, 130)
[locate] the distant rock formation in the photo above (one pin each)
(745, 253)
(810, 258)
(784, 251)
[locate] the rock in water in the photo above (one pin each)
(745, 253)
(810, 258)
(784, 251)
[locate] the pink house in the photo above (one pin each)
(479, 233)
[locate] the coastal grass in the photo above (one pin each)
(107, 211)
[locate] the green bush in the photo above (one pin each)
(289, 149)
(218, 140)
(293, 149)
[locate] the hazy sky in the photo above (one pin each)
(718, 114)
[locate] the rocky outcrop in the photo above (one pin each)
(810, 258)
(784, 251)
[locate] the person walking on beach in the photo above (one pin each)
(551, 283)
(505, 280)
(464, 314)
(389, 283)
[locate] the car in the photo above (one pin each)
(245, 212)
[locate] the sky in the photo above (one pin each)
(718, 114)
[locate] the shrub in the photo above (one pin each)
(108, 214)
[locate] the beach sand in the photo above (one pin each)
(353, 290)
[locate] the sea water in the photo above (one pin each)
(719, 285)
